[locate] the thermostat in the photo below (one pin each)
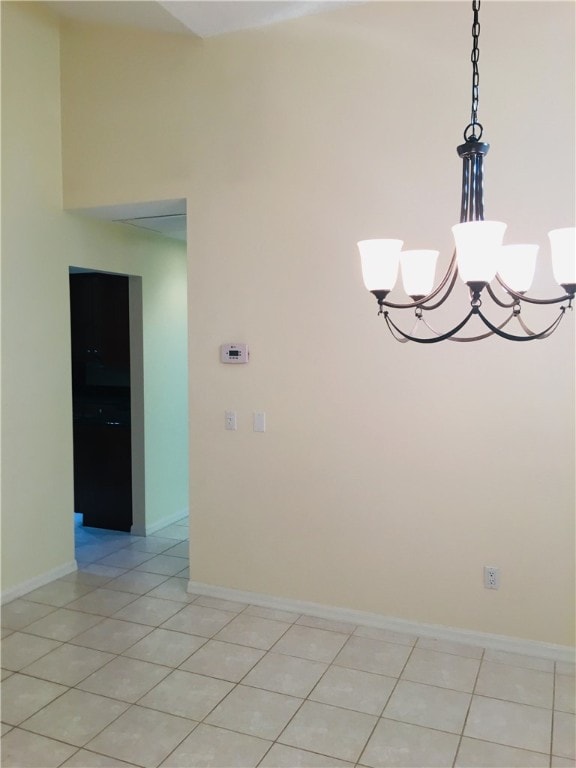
(234, 353)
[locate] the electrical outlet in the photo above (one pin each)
(491, 577)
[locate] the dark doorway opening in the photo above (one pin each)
(100, 330)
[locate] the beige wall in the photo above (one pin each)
(39, 243)
(389, 475)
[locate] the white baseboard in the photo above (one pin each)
(470, 637)
(38, 581)
(169, 520)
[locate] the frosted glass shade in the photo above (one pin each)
(418, 271)
(563, 245)
(516, 266)
(477, 249)
(380, 260)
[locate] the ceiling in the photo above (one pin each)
(213, 17)
(165, 217)
(197, 18)
(201, 18)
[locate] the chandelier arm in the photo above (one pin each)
(528, 299)
(402, 339)
(451, 273)
(480, 337)
(415, 326)
(546, 333)
(399, 338)
(448, 290)
(408, 337)
(497, 300)
(532, 335)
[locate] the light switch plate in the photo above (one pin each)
(259, 421)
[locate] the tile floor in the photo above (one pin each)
(116, 665)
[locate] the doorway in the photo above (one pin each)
(105, 368)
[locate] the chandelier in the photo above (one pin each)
(502, 273)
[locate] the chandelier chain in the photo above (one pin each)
(474, 58)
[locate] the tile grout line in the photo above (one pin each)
(22, 727)
(214, 637)
(464, 724)
(234, 687)
(240, 682)
(380, 717)
(197, 722)
(68, 688)
(305, 699)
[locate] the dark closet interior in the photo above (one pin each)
(100, 329)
